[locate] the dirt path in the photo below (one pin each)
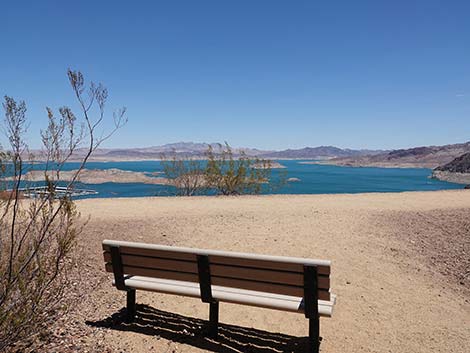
(397, 280)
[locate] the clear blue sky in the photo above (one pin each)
(261, 73)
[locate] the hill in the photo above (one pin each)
(418, 157)
(458, 165)
(456, 171)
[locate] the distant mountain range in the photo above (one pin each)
(198, 150)
(322, 152)
(424, 157)
(417, 157)
(182, 149)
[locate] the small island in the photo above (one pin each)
(269, 164)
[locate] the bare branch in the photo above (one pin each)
(37, 239)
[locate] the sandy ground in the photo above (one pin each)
(400, 269)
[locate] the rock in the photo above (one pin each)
(467, 187)
(269, 164)
(293, 179)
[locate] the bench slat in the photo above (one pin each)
(156, 263)
(262, 275)
(164, 254)
(254, 274)
(221, 281)
(174, 252)
(230, 295)
(151, 272)
(222, 260)
(266, 287)
(265, 264)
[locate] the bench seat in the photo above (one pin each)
(228, 295)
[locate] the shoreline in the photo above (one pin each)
(451, 177)
(274, 195)
(313, 161)
(373, 165)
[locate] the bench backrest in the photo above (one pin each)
(263, 273)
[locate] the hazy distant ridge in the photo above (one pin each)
(425, 156)
(195, 150)
(318, 152)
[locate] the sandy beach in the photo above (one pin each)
(400, 269)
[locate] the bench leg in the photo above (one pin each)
(214, 319)
(314, 335)
(131, 309)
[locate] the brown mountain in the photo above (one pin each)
(460, 164)
(421, 157)
(456, 171)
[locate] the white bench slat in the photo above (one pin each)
(248, 256)
(229, 295)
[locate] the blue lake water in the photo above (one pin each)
(314, 179)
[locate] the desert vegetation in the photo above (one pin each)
(222, 172)
(187, 175)
(236, 176)
(38, 236)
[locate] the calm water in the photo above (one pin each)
(314, 179)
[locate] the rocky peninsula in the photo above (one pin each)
(456, 171)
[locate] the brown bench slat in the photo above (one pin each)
(221, 260)
(221, 281)
(266, 287)
(262, 275)
(156, 263)
(165, 254)
(263, 264)
(151, 272)
(281, 263)
(246, 273)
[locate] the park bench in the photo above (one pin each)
(283, 283)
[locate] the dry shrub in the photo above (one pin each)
(222, 173)
(38, 235)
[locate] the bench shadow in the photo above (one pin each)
(192, 331)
